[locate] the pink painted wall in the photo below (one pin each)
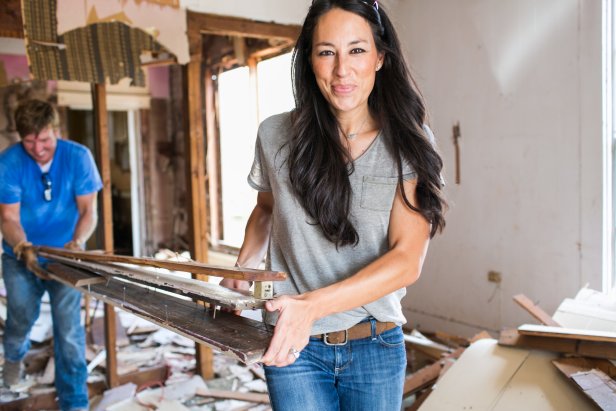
(16, 66)
(158, 81)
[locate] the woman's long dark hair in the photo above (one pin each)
(319, 163)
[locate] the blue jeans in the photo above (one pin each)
(365, 374)
(24, 292)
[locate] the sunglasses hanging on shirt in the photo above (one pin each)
(46, 187)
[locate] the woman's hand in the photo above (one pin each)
(292, 331)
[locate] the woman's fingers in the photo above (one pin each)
(291, 333)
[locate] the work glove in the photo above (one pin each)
(24, 251)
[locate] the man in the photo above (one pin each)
(47, 197)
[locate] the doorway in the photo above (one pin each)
(125, 170)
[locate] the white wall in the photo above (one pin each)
(523, 78)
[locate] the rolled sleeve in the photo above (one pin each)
(258, 177)
(88, 179)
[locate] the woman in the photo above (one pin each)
(349, 196)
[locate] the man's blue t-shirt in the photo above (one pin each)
(72, 173)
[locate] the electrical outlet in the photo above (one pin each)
(495, 277)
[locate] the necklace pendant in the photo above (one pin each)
(352, 136)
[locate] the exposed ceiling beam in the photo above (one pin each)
(11, 24)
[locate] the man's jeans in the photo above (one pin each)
(365, 374)
(24, 291)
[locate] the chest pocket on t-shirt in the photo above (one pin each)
(377, 193)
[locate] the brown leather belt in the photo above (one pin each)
(361, 330)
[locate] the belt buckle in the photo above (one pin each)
(326, 339)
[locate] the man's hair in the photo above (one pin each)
(33, 116)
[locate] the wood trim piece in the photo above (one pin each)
(196, 289)
(534, 310)
(243, 338)
(237, 273)
(234, 395)
(568, 333)
(74, 279)
(595, 349)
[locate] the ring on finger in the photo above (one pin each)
(294, 353)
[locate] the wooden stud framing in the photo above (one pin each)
(235, 26)
(99, 103)
(11, 23)
(197, 207)
(198, 24)
(213, 158)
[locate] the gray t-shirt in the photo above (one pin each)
(300, 248)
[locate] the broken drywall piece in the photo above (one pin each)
(116, 395)
(91, 53)
(422, 343)
(48, 376)
(135, 324)
(589, 310)
(154, 403)
(488, 377)
(43, 327)
(184, 390)
(168, 21)
(256, 386)
(241, 373)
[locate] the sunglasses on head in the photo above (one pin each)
(46, 186)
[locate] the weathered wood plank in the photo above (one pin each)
(74, 278)
(11, 22)
(534, 310)
(212, 293)
(241, 337)
(592, 381)
(559, 332)
(596, 349)
(237, 273)
(571, 365)
(234, 395)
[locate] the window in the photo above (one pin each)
(246, 99)
(609, 191)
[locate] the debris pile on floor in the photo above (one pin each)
(141, 345)
(567, 362)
